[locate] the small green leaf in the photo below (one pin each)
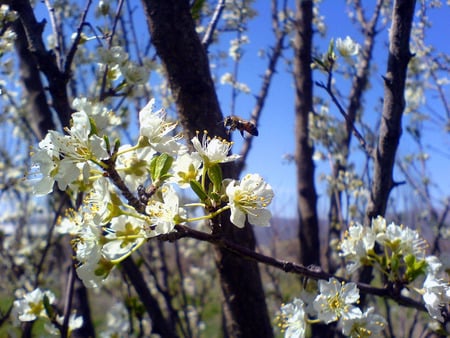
(94, 130)
(198, 189)
(159, 167)
(215, 175)
(196, 9)
(48, 307)
(166, 163)
(414, 267)
(152, 168)
(108, 145)
(116, 146)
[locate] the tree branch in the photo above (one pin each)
(313, 272)
(207, 38)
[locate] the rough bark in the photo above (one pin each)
(186, 64)
(44, 59)
(38, 114)
(393, 107)
(306, 191)
(391, 119)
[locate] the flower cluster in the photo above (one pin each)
(37, 304)
(334, 302)
(403, 257)
(131, 192)
(119, 65)
(399, 254)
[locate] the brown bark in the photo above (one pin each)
(186, 64)
(39, 116)
(393, 107)
(44, 59)
(306, 191)
(391, 119)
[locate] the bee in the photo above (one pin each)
(235, 122)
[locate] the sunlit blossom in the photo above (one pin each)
(133, 165)
(31, 305)
(164, 214)
(63, 158)
(156, 130)
(347, 47)
(213, 150)
(436, 296)
(123, 235)
(292, 320)
(249, 199)
(335, 301)
(358, 241)
(186, 168)
(403, 240)
(367, 325)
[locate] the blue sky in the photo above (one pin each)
(276, 127)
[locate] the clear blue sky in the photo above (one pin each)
(276, 126)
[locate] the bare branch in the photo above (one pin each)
(207, 38)
(313, 272)
(76, 41)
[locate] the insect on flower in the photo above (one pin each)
(235, 122)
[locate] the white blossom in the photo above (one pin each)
(358, 241)
(249, 199)
(293, 319)
(165, 214)
(347, 47)
(31, 305)
(367, 325)
(213, 150)
(335, 301)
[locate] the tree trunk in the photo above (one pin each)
(186, 63)
(393, 107)
(391, 120)
(306, 191)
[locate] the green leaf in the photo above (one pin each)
(215, 175)
(48, 307)
(198, 189)
(160, 166)
(196, 9)
(414, 267)
(166, 163)
(331, 47)
(94, 130)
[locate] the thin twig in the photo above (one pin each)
(68, 301)
(367, 148)
(103, 93)
(76, 41)
(58, 37)
(207, 38)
